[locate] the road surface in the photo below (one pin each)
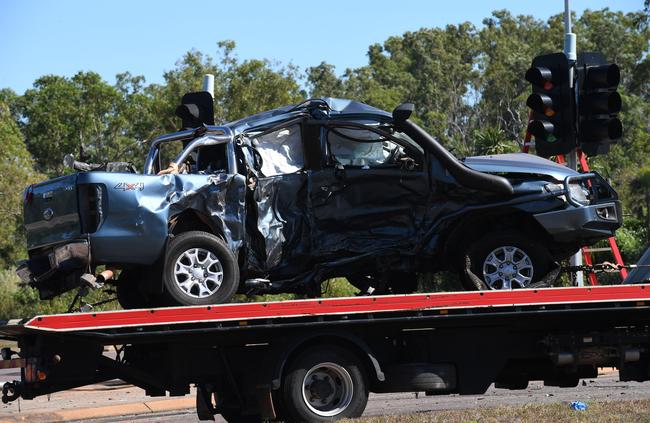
(605, 387)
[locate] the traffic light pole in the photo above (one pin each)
(572, 157)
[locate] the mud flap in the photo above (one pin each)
(205, 410)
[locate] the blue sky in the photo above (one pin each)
(147, 37)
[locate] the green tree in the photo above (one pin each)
(323, 82)
(508, 44)
(64, 115)
(17, 170)
(253, 86)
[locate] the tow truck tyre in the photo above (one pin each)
(322, 384)
(504, 260)
(199, 269)
(128, 291)
(233, 416)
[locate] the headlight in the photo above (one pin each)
(554, 187)
(579, 193)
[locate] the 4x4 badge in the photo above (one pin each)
(125, 186)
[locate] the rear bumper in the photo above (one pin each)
(583, 224)
(57, 269)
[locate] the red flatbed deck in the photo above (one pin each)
(442, 302)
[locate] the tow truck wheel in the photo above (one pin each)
(234, 416)
(199, 269)
(323, 384)
(128, 291)
(504, 260)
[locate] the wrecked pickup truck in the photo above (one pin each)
(283, 200)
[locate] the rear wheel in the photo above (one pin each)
(324, 384)
(504, 260)
(199, 269)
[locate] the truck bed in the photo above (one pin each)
(471, 339)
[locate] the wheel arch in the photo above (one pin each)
(350, 342)
(194, 220)
(475, 224)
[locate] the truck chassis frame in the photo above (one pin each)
(239, 355)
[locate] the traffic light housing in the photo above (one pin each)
(553, 105)
(196, 109)
(598, 104)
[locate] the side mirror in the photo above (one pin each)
(403, 112)
(68, 161)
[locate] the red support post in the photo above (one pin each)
(593, 279)
(526, 147)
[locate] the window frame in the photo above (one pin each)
(412, 148)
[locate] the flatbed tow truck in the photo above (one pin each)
(317, 359)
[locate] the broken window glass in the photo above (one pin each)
(359, 147)
(281, 151)
(212, 159)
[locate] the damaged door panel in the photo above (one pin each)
(282, 200)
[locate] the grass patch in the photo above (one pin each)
(597, 411)
(17, 301)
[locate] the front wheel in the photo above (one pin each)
(504, 260)
(324, 384)
(199, 269)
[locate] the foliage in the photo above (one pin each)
(18, 301)
(82, 115)
(16, 168)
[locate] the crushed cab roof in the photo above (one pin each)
(337, 107)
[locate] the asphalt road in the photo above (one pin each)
(605, 387)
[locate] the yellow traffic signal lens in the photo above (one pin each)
(548, 85)
(549, 112)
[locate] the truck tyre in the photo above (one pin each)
(199, 269)
(504, 260)
(403, 282)
(322, 384)
(234, 416)
(128, 290)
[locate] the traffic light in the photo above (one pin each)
(553, 105)
(196, 109)
(598, 103)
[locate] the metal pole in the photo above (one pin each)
(208, 83)
(572, 157)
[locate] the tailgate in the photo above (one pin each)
(51, 212)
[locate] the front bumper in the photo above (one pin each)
(579, 222)
(582, 224)
(56, 269)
